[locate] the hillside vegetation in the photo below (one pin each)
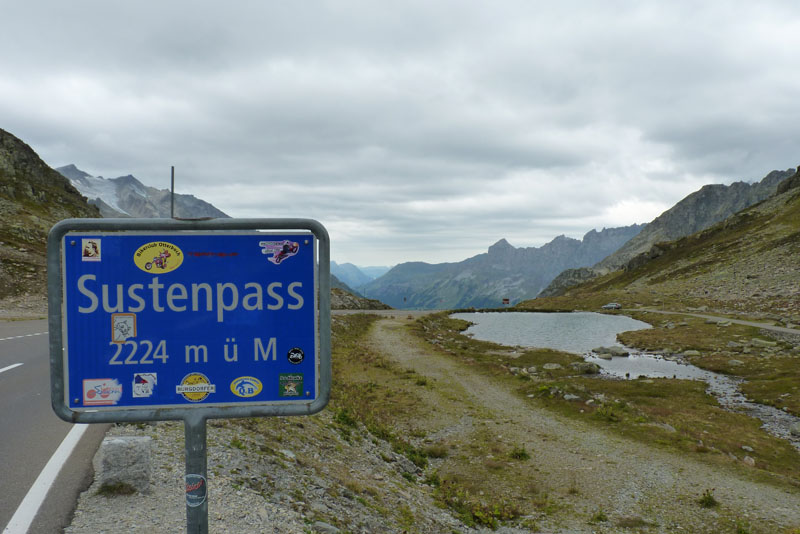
(33, 197)
(745, 265)
(342, 299)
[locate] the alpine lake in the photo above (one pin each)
(587, 333)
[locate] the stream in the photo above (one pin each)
(581, 332)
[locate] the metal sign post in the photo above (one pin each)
(196, 477)
(160, 319)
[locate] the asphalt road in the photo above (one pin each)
(30, 432)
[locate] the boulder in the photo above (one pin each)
(586, 368)
(126, 463)
(755, 342)
(404, 465)
(690, 353)
(794, 430)
(324, 528)
(551, 366)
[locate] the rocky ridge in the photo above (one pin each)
(744, 264)
(33, 197)
(698, 211)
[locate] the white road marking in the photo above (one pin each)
(26, 512)
(10, 367)
(25, 335)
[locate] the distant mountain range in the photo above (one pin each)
(503, 272)
(34, 196)
(128, 197)
(354, 276)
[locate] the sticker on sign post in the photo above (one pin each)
(196, 490)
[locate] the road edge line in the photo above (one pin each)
(10, 367)
(26, 511)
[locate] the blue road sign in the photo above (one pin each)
(172, 319)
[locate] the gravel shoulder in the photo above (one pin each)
(306, 475)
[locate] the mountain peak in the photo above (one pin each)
(500, 246)
(72, 172)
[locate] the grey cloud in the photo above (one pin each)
(451, 122)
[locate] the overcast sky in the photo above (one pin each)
(416, 130)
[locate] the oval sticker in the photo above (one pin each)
(246, 386)
(158, 257)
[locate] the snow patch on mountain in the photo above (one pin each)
(93, 187)
(126, 196)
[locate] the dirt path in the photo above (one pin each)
(591, 469)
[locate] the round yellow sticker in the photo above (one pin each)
(158, 257)
(195, 387)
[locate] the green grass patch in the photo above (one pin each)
(519, 453)
(707, 499)
(472, 509)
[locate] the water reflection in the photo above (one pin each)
(643, 365)
(577, 332)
